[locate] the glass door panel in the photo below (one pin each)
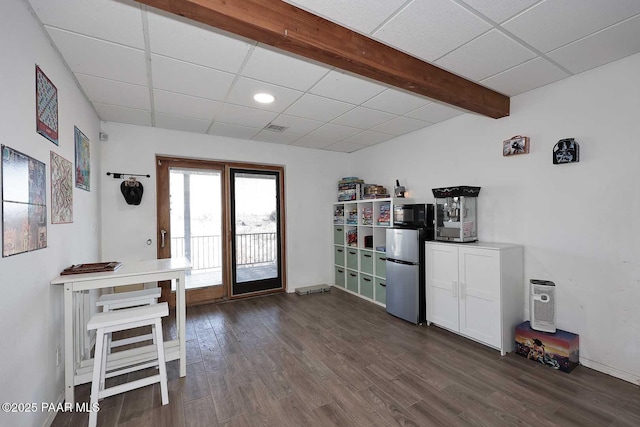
(196, 223)
(255, 226)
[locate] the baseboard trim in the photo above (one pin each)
(605, 369)
(51, 416)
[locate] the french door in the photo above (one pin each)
(255, 225)
(227, 219)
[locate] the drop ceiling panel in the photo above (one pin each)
(434, 113)
(95, 18)
(297, 125)
(193, 79)
(331, 132)
(500, 10)
(114, 92)
(369, 137)
(185, 105)
(318, 108)
(186, 124)
(554, 23)
(276, 137)
(363, 118)
(233, 131)
(485, 56)
(245, 116)
(244, 89)
(400, 126)
(282, 69)
(395, 101)
(430, 29)
(113, 113)
(309, 142)
(345, 147)
(183, 39)
(530, 75)
(608, 45)
(87, 55)
(346, 88)
(361, 15)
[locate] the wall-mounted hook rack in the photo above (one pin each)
(118, 175)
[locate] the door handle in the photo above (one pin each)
(162, 234)
(454, 289)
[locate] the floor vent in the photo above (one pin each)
(276, 128)
(313, 289)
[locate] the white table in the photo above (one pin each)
(77, 369)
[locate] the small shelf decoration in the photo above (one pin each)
(515, 145)
(566, 151)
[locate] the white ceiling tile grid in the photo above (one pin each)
(429, 29)
(143, 66)
(95, 18)
(190, 79)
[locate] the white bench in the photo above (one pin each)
(106, 323)
(110, 302)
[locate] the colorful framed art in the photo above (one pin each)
(24, 204)
(61, 190)
(46, 107)
(83, 164)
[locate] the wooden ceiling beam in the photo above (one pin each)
(279, 24)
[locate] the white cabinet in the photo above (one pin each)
(359, 238)
(476, 290)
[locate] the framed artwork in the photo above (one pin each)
(83, 164)
(566, 151)
(46, 107)
(515, 145)
(61, 190)
(24, 207)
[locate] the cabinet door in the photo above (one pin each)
(352, 258)
(352, 281)
(338, 235)
(366, 262)
(442, 285)
(366, 285)
(480, 294)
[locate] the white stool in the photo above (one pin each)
(110, 302)
(120, 320)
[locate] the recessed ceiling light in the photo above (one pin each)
(264, 98)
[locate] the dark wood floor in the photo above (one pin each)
(334, 359)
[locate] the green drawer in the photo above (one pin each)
(381, 265)
(352, 258)
(366, 262)
(366, 285)
(352, 281)
(339, 255)
(340, 272)
(381, 291)
(338, 234)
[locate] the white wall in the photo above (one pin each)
(579, 223)
(310, 187)
(31, 309)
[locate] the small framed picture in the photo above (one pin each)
(515, 145)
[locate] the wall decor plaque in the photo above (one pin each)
(46, 107)
(566, 151)
(24, 205)
(515, 145)
(61, 189)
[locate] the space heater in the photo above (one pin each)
(542, 305)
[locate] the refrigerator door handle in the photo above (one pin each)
(399, 261)
(454, 289)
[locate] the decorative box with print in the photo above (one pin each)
(559, 350)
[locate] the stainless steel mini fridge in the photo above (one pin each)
(405, 274)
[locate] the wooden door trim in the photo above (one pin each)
(163, 163)
(163, 218)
